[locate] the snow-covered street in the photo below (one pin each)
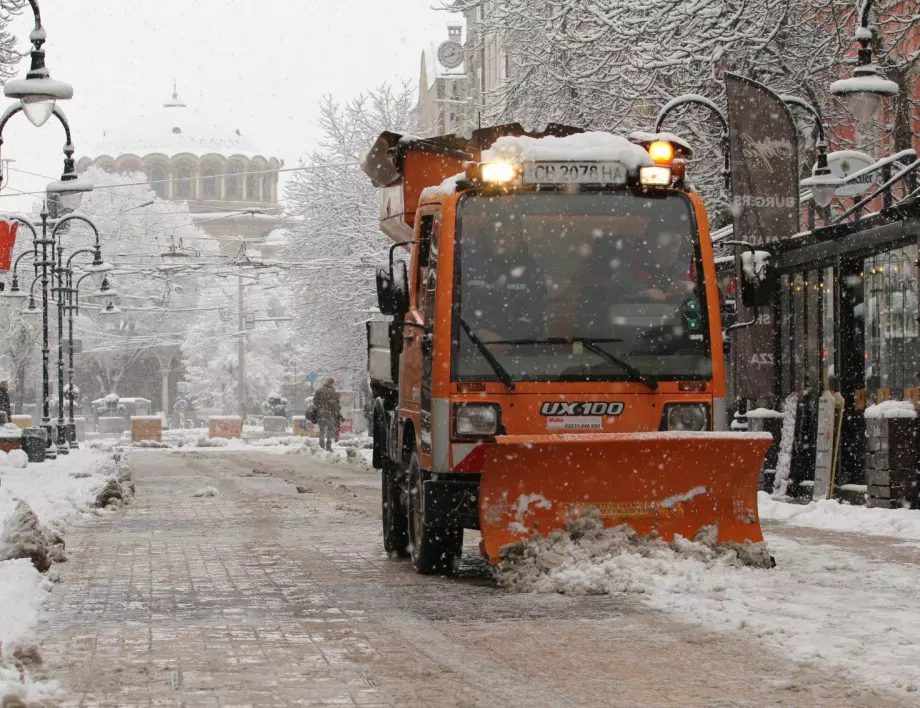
(276, 591)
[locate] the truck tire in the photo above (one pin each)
(394, 511)
(435, 550)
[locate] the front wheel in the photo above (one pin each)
(394, 511)
(435, 550)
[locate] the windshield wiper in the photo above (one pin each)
(499, 370)
(592, 346)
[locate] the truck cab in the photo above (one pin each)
(556, 292)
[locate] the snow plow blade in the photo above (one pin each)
(662, 483)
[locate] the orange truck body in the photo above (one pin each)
(535, 475)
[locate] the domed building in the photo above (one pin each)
(188, 156)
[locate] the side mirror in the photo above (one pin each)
(759, 279)
(393, 289)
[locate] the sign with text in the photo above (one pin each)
(765, 208)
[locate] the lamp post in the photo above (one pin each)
(38, 92)
(717, 112)
(97, 269)
(865, 90)
(73, 308)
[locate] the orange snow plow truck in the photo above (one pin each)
(550, 344)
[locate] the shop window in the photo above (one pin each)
(890, 311)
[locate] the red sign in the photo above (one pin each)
(8, 231)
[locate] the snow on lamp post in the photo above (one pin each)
(38, 92)
(867, 87)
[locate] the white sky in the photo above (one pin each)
(263, 64)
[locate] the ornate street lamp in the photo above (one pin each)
(38, 92)
(723, 122)
(97, 269)
(70, 188)
(822, 182)
(866, 89)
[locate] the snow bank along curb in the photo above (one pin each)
(588, 559)
(36, 502)
(831, 515)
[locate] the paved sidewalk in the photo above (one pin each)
(194, 600)
(266, 596)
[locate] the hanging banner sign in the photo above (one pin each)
(8, 231)
(765, 206)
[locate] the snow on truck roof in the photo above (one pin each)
(594, 146)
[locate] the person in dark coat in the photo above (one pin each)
(328, 410)
(5, 402)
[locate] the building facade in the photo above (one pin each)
(445, 102)
(193, 158)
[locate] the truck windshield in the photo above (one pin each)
(592, 286)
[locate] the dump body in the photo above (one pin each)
(561, 350)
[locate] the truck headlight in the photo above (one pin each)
(476, 420)
(686, 416)
(657, 176)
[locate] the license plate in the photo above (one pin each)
(574, 173)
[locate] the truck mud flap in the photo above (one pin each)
(663, 483)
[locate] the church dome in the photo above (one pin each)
(175, 129)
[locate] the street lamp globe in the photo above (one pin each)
(823, 185)
(38, 92)
(110, 310)
(866, 89)
(98, 269)
(106, 290)
(15, 291)
(31, 310)
(864, 92)
(68, 191)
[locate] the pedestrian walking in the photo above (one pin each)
(5, 408)
(328, 410)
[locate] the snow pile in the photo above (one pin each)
(446, 188)
(35, 504)
(892, 409)
(10, 431)
(22, 592)
(24, 537)
(17, 459)
(763, 413)
(213, 442)
(208, 491)
(588, 559)
(755, 265)
(831, 515)
(786, 444)
(581, 146)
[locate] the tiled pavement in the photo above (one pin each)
(261, 596)
(195, 600)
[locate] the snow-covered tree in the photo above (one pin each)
(157, 293)
(12, 47)
(613, 64)
(211, 354)
(336, 243)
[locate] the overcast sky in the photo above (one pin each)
(263, 64)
